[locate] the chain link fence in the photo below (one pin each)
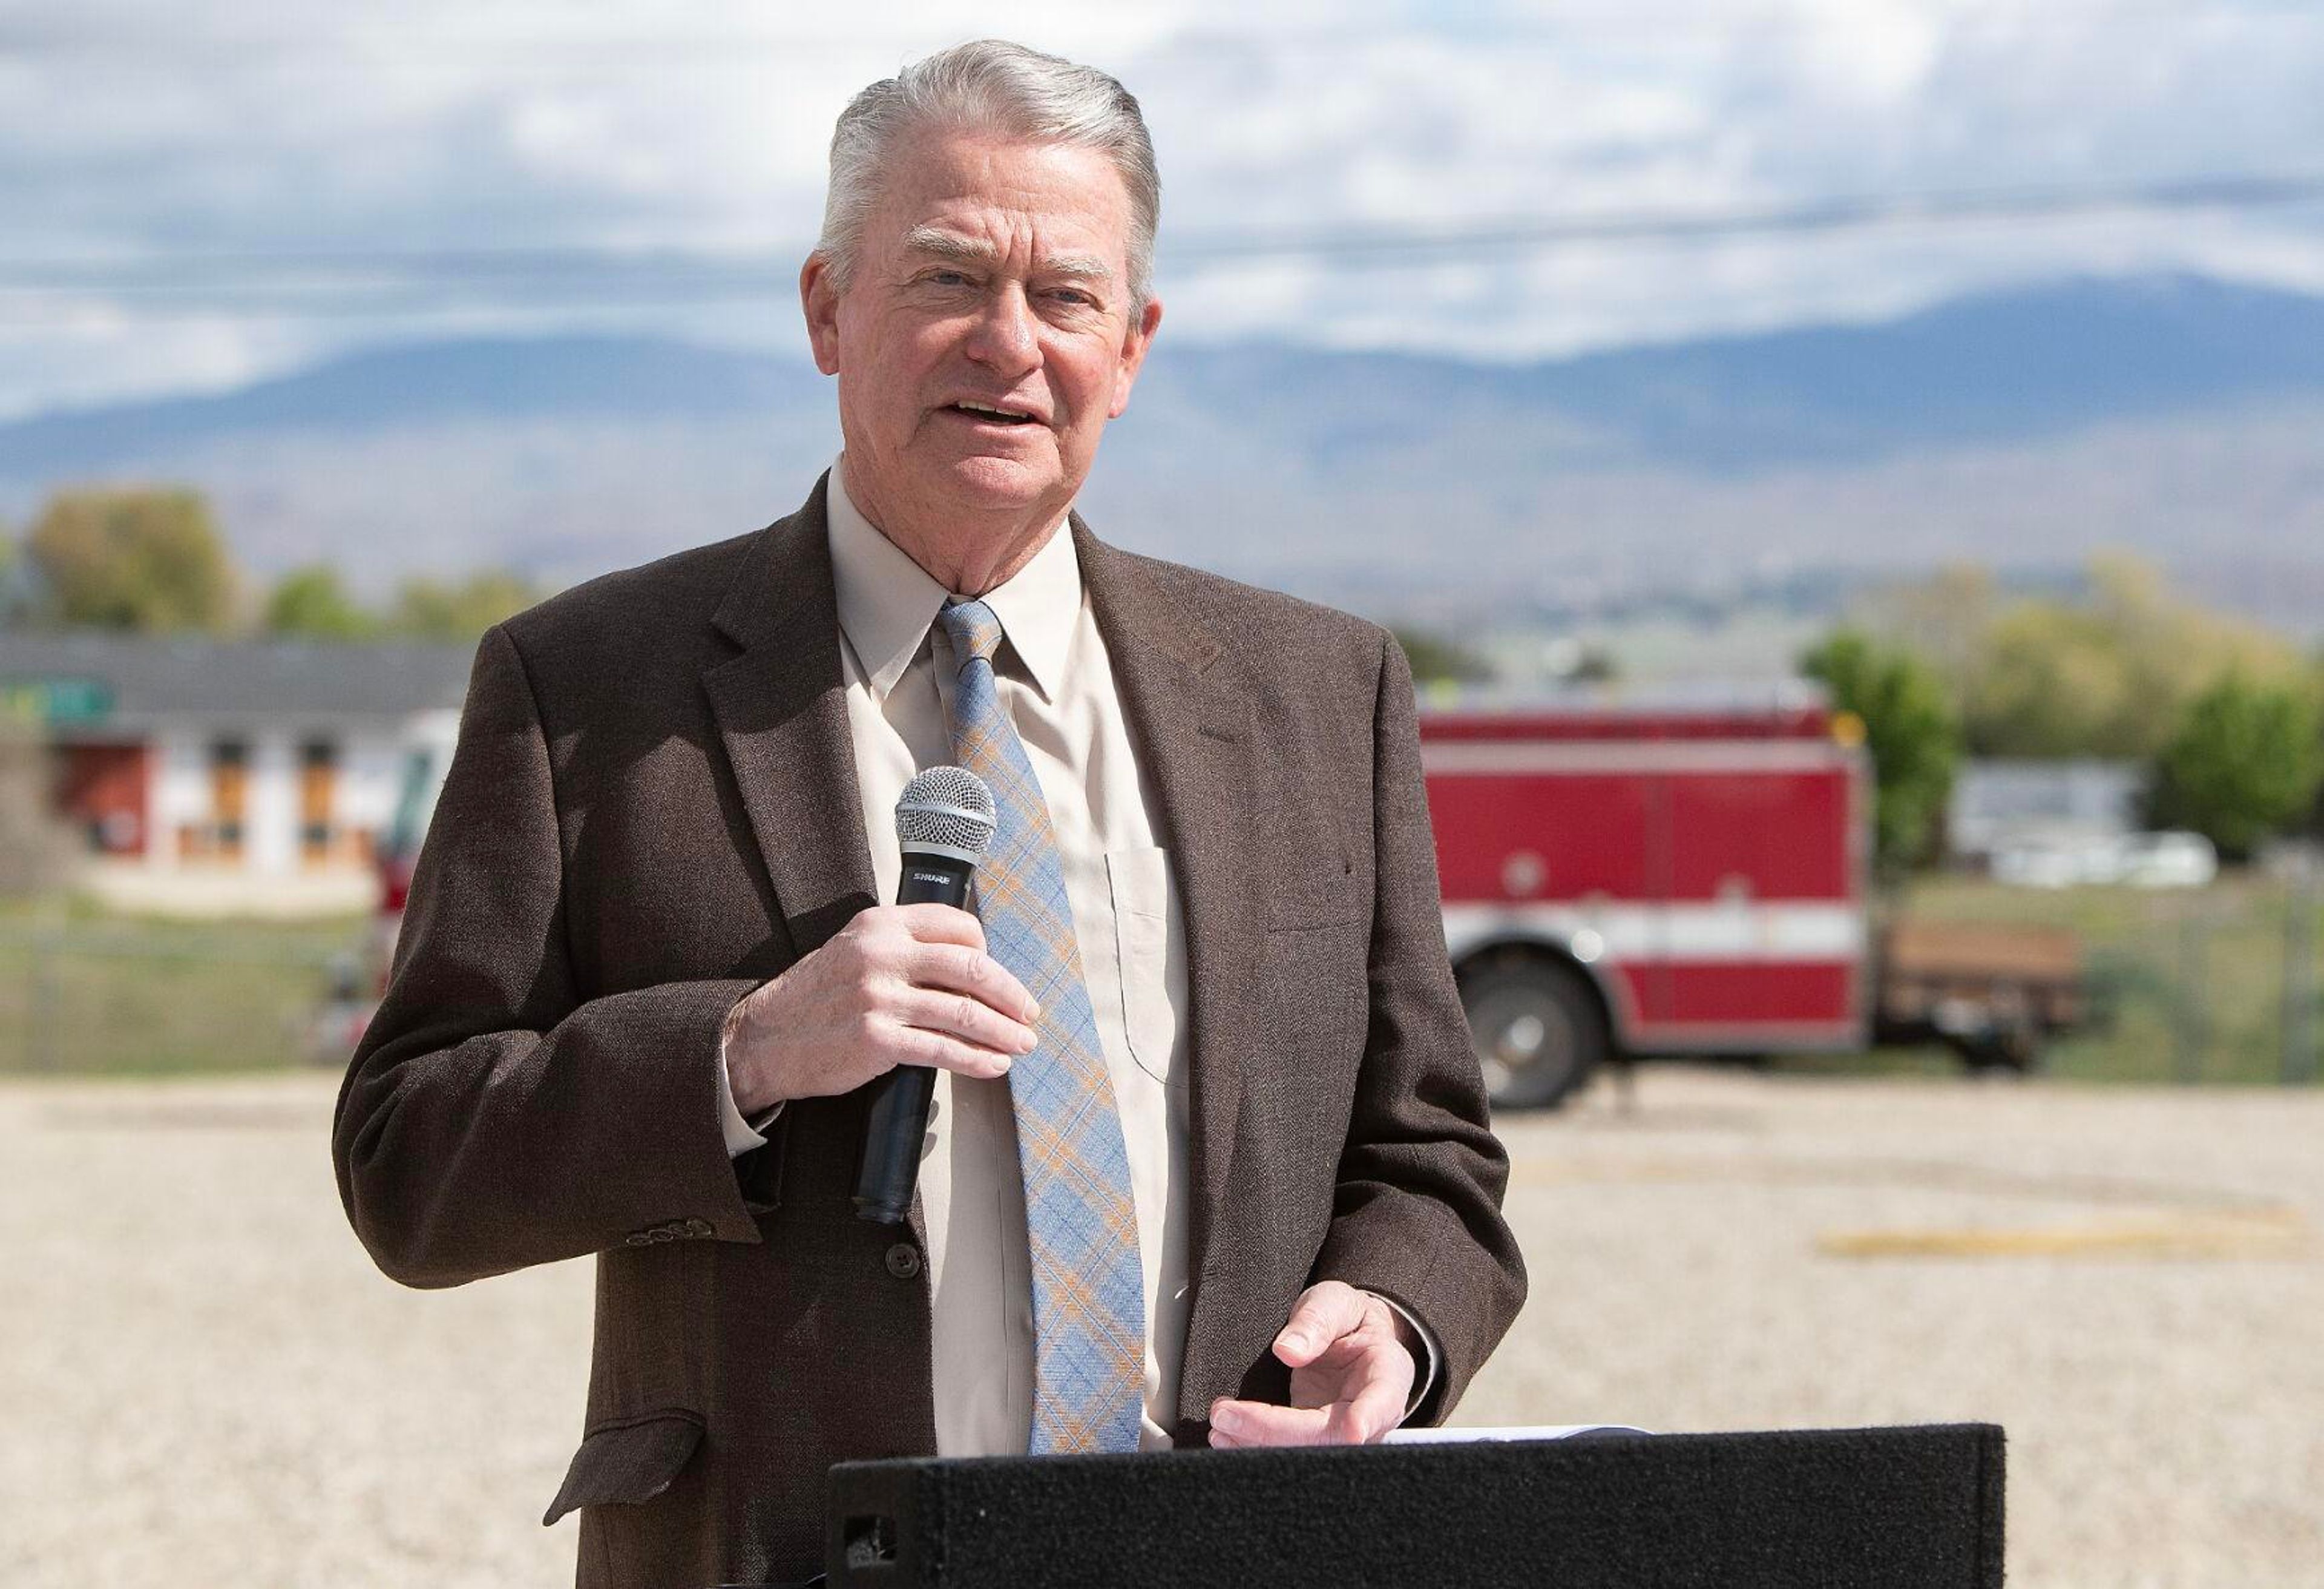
(2220, 985)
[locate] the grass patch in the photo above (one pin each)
(2194, 978)
(85, 992)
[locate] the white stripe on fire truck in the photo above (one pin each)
(1654, 755)
(1810, 930)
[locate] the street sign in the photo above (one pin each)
(56, 702)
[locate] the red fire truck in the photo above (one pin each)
(1678, 877)
(1673, 877)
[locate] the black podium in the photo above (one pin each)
(1917, 1507)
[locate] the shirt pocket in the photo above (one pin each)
(1143, 928)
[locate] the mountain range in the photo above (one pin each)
(2179, 416)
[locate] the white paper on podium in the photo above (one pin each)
(1540, 1432)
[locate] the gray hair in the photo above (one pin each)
(990, 86)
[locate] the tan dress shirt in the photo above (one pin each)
(1056, 683)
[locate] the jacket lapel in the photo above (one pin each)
(781, 709)
(1190, 721)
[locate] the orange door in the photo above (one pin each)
(229, 796)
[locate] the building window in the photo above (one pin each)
(318, 773)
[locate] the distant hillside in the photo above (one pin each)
(422, 384)
(2174, 414)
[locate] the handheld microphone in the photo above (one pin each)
(943, 819)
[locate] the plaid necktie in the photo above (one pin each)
(1089, 1291)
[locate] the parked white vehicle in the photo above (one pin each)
(2140, 860)
(2170, 860)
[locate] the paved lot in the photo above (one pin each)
(205, 1384)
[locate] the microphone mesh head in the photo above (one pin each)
(948, 807)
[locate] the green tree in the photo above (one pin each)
(2244, 765)
(1437, 660)
(2111, 674)
(311, 602)
(428, 609)
(2053, 681)
(13, 605)
(1909, 728)
(143, 558)
(2107, 672)
(2315, 824)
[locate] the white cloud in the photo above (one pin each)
(89, 351)
(142, 131)
(1868, 54)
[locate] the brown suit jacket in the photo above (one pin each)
(653, 810)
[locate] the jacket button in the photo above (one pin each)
(903, 1260)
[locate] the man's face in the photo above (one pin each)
(986, 334)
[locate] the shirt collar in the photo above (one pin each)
(886, 602)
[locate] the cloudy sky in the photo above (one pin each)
(194, 197)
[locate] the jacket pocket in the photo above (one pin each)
(628, 1462)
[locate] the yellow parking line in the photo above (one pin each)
(2279, 1232)
(2191, 1221)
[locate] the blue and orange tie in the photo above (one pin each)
(1089, 1291)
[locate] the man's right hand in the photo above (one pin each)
(899, 984)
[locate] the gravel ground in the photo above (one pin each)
(206, 1384)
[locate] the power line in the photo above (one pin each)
(1830, 215)
(342, 282)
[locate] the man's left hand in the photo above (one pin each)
(1351, 1372)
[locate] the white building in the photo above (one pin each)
(2060, 823)
(1998, 805)
(236, 775)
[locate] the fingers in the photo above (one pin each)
(1325, 1312)
(899, 984)
(937, 1050)
(931, 924)
(961, 1022)
(933, 996)
(966, 969)
(1374, 1405)
(1378, 1405)
(1341, 1346)
(1237, 1425)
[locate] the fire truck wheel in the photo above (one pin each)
(1538, 1029)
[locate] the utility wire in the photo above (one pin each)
(322, 282)
(1831, 215)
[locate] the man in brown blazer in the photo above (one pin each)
(645, 975)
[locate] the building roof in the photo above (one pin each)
(142, 676)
